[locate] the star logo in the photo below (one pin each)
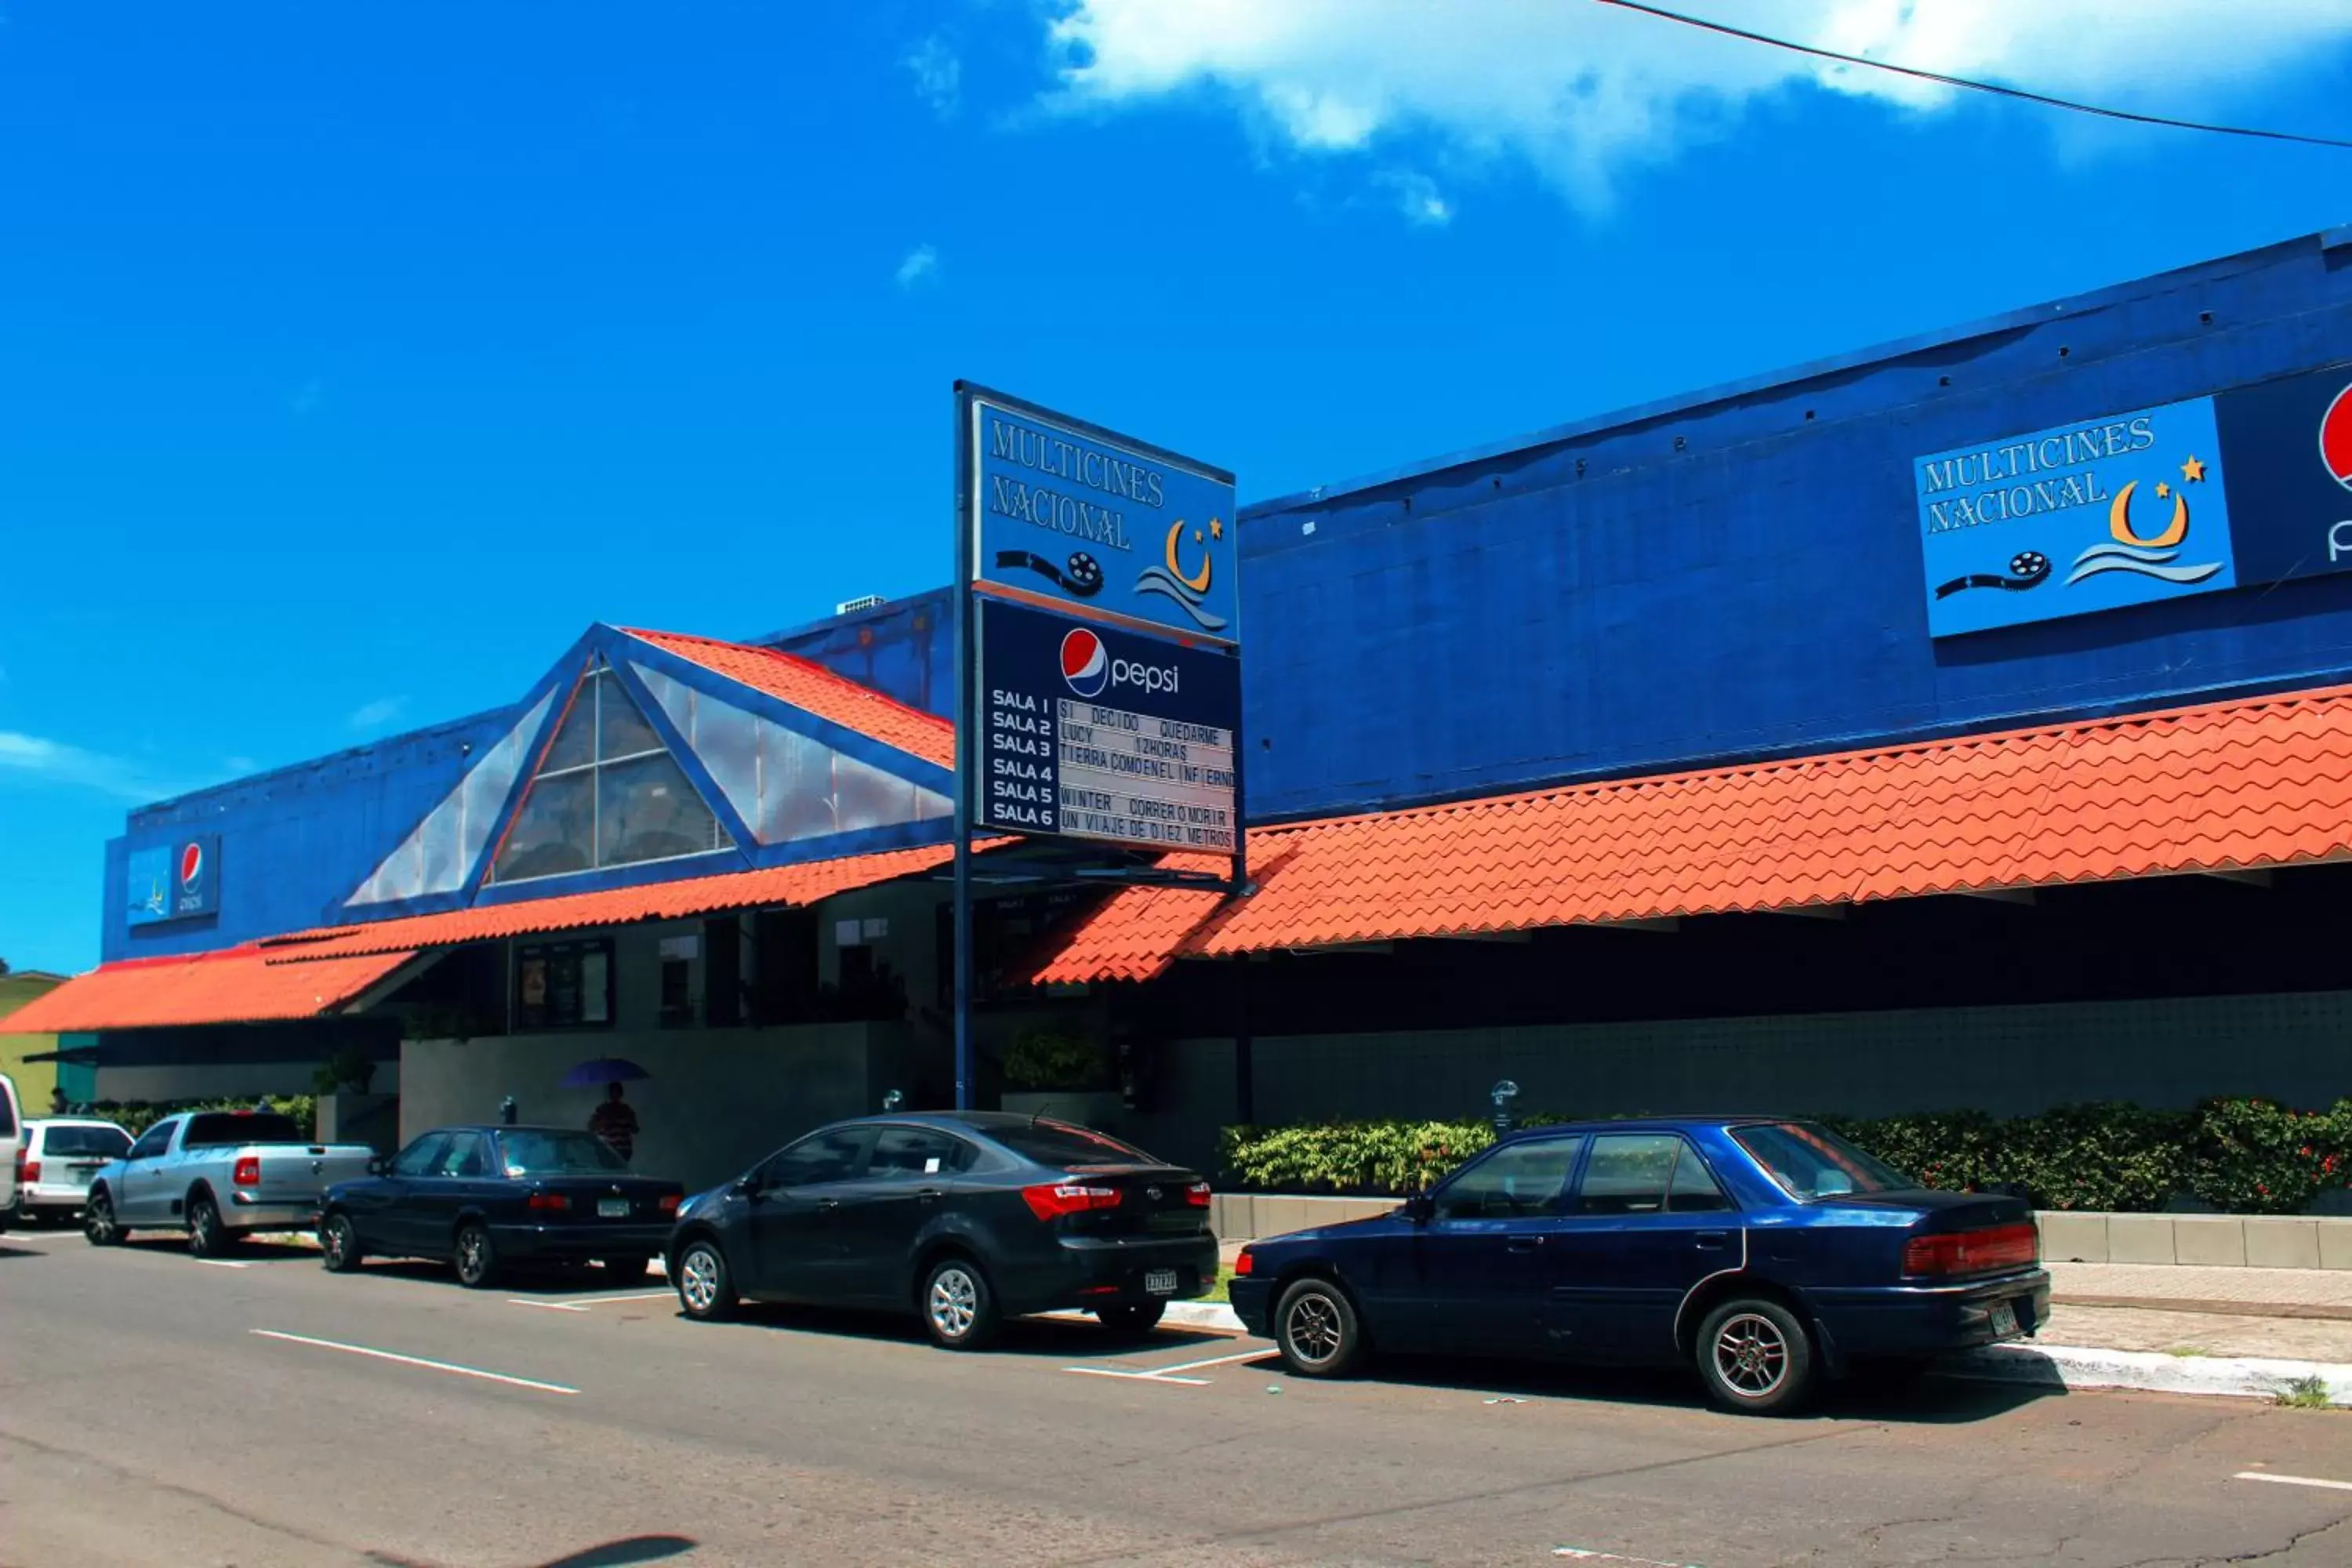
(2193, 470)
(2163, 491)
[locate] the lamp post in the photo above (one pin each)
(1505, 1091)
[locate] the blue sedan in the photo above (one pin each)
(1765, 1252)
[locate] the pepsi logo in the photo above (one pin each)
(2335, 438)
(1085, 663)
(192, 865)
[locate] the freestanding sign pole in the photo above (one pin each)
(967, 748)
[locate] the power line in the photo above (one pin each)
(1960, 81)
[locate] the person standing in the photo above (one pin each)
(615, 1122)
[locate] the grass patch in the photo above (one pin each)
(2188, 1351)
(1216, 1292)
(2304, 1393)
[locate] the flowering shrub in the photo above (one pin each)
(2241, 1156)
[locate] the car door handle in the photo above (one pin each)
(1710, 1240)
(927, 1194)
(1525, 1242)
(824, 1204)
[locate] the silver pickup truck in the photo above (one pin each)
(217, 1175)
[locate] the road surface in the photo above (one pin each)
(157, 1410)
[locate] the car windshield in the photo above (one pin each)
(558, 1154)
(1060, 1144)
(66, 1142)
(1812, 1162)
(219, 1129)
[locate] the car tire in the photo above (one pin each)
(477, 1256)
(1317, 1331)
(706, 1289)
(339, 1245)
(625, 1271)
(1133, 1320)
(97, 1226)
(1755, 1357)
(958, 1305)
(207, 1236)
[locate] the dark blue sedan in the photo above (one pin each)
(485, 1198)
(1766, 1252)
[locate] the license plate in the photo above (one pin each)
(2004, 1319)
(618, 1208)
(1160, 1282)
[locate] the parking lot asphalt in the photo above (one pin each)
(158, 1410)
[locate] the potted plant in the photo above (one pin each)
(1052, 1073)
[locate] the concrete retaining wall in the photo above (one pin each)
(2229, 1241)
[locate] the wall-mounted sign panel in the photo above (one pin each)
(2135, 508)
(175, 881)
(2126, 508)
(1065, 514)
(1095, 733)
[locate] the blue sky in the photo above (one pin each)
(353, 359)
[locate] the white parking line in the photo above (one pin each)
(2292, 1480)
(1581, 1555)
(220, 1263)
(1167, 1373)
(583, 1303)
(414, 1361)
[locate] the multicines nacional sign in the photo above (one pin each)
(2248, 486)
(1096, 732)
(1069, 517)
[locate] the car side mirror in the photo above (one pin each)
(1420, 1208)
(747, 1185)
(378, 1165)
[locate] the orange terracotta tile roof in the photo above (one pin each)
(238, 985)
(818, 690)
(2247, 783)
(773, 887)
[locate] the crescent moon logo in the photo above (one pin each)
(2120, 525)
(1199, 584)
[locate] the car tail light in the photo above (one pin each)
(1984, 1251)
(1244, 1264)
(556, 1201)
(669, 1203)
(248, 1173)
(1056, 1199)
(1197, 1194)
(28, 1170)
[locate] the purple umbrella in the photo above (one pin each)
(604, 1069)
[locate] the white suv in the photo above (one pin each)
(54, 1167)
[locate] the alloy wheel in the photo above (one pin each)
(698, 1280)
(1751, 1355)
(1312, 1331)
(955, 1302)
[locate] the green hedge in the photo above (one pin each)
(2239, 1156)
(135, 1116)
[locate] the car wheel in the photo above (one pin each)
(625, 1271)
(1755, 1357)
(339, 1245)
(208, 1236)
(477, 1259)
(97, 1221)
(1316, 1329)
(1134, 1319)
(959, 1309)
(704, 1287)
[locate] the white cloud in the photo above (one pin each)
(376, 714)
(31, 758)
(938, 75)
(1418, 198)
(1583, 91)
(922, 264)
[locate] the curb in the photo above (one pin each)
(1214, 1316)
(2072, 1367)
